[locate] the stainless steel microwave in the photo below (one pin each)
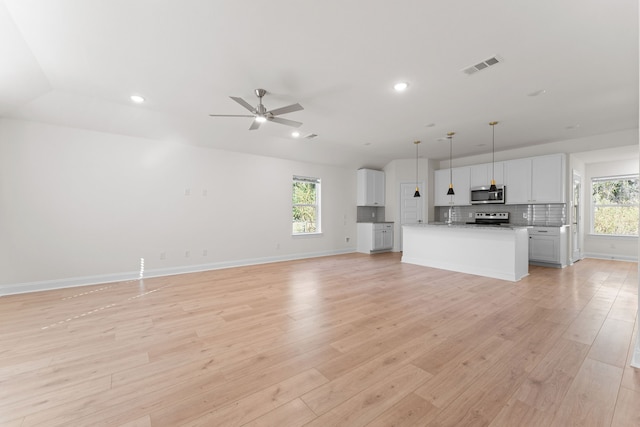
(482, 195)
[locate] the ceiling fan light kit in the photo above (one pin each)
(260, 114)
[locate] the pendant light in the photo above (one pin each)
(450, 136)
(417, 193)
(493, 157)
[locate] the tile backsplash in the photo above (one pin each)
(541, 215)
(370, 214)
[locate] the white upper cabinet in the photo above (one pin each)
(370, 191)
(461, 187)
(535, 180)
(548, 179)
(481, 175)
(518, 181)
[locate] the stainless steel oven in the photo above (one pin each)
(482, 195)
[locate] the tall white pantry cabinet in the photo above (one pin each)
(372, 236)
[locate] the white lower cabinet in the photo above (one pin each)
(375, 237)
(548, 245)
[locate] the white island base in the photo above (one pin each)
(498, 252)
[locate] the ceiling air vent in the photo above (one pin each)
(482, 65)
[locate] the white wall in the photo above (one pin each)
(625, 248)
(80, 206)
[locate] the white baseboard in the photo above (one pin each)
(46, 285)
(611, 257)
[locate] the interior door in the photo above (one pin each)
(411, 208)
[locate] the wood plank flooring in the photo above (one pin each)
(350, 340)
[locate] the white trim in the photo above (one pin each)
(46, 285)
(611, 257)
(613, 236)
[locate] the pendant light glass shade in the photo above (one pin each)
(450, 192)
(417, 193)
(493, 157)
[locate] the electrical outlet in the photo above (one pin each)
(187, 192)
(205, 252)
(163, 255)
(524, 215)
(187, 254)
(347, 239)
(470, 214)
(373, 214)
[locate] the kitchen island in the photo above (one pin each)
(501, 252)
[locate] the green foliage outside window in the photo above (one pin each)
(615, 206)
(305, 206)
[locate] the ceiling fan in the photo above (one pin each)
(260, 113)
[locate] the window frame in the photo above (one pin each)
(317, 206)
(594, 206)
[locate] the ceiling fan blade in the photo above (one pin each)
(244, 103)
(229, 115)
(288, 109)
(255, 125)
(285, 121)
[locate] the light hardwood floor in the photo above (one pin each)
(350, 340)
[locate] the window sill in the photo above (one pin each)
(612, 236)
(306, 235)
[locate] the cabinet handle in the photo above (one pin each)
(542, 231)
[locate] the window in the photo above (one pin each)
(615, 205)
(306, 205)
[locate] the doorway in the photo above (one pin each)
(411, 208)
(576, 217)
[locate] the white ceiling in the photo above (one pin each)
(75, 63)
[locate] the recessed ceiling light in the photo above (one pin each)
(430, 125)
(137, 99)
(537, 92)
(295, 134)
(367, 143)
(576, 126)
(480, 145)
(401, 86)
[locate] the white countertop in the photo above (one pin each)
(470, 226)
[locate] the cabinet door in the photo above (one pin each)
(377, 179)
(544, 249)
(480, 175)
(371, 187)
(440, 186)
(460, 187)
(387, 238)
(518, 181)
(547, 179)
(497, 171)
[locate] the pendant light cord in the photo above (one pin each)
(450, 159)
(416, 163)
(493, 156)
